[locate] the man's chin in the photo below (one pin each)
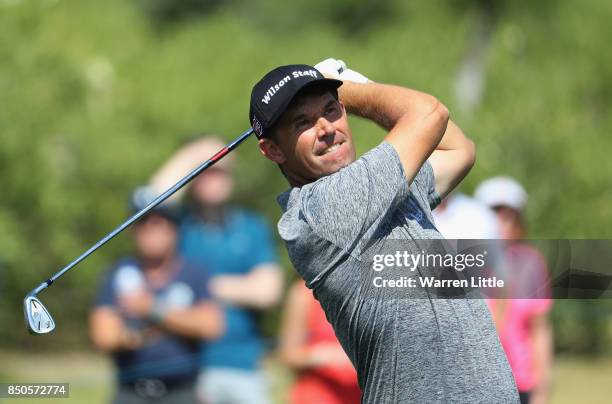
(336, 166)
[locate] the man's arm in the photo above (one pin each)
(542, 343)
(259, 289)
(293, 350)
(202, 321)
(452, 159)
(404, 113)
(416, 121)
(109, 332)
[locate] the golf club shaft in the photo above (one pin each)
(169, 192)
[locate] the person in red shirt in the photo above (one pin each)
(309, 346)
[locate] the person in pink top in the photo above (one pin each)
(309, 346)
(522, 321)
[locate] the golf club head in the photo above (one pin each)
(37, 317)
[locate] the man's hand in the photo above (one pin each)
(336, 69)
(331, 68)
(138, 304)
(109, 333)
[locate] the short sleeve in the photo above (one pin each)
(198, 280)
(105, 295)
(425, 182)
(346, 205)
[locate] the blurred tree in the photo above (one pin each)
(471, 76)
(350, 17)
(484, 15)
(91, 101)
(176, 11)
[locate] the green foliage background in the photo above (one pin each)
(95, 95)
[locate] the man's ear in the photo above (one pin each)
(271, 150)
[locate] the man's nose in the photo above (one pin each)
(325, 127)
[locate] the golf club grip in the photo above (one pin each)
(161, 198)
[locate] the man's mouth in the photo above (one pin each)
(331, 148)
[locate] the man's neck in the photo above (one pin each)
(158, 270)
(297, 180)
(212, 214)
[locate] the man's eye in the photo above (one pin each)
(300, 126)
(332, 112)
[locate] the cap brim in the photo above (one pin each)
(283, 107)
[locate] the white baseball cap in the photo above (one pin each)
(502, 191)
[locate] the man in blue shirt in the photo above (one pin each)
(238, 248)
(151, 313)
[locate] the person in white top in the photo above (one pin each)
(461, 217)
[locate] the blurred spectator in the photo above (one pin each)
(522, 321)
(309, 346)
(237, 246)
(151, 312)
(461, 217)
(468, 223)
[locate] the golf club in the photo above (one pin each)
(37, 317)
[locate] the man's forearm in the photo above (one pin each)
(109, 333)
(542, 345)
(452, 160)
(259, 289)
(385, 104)
(416, 121)
(203, 321)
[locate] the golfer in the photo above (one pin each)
(405, 350)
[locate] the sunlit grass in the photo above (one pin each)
(575, 379)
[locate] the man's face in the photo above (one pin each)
(313, 138)
(510, 223)
(154, 237)
(213, 187)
